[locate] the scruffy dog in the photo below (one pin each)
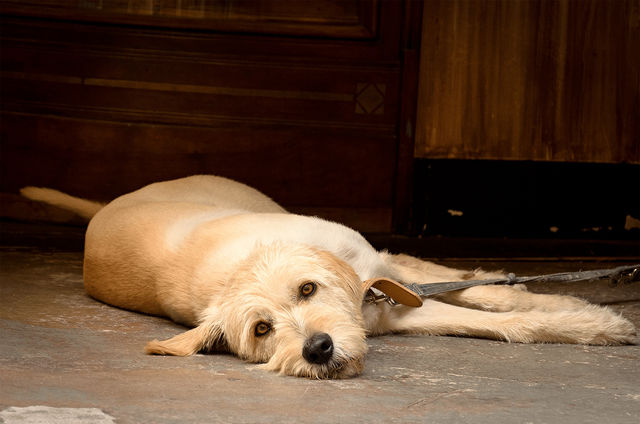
(286, 290)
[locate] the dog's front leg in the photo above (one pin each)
(589, 325)
(510, 298)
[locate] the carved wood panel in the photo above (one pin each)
(98, 107)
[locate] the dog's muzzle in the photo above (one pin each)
(318, 349)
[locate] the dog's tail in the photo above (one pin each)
(85, 208)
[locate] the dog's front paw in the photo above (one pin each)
(605, 327)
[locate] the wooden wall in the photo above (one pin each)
(301, 99)
(549, 80)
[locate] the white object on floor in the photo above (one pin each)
(49, 415)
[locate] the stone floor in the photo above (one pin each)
(64, 352)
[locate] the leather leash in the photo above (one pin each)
(623, 274)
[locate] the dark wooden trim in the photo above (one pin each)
(410, 51)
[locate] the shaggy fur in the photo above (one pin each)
(286, 291)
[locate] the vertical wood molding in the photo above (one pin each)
(411, 39)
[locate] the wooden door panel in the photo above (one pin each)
(550, 80)
(305, 105)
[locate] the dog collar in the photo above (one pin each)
(394, 293)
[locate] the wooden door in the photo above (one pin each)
(301, 99)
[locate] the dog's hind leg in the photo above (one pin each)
(589, 325)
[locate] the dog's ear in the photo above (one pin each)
(206, 336)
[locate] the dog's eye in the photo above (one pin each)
(307, 289)
(262, 329)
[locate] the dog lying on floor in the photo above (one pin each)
(286, 290)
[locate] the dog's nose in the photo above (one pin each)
(318, 348)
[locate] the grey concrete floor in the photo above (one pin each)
(61, 349)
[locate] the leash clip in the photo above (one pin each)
(373, 299)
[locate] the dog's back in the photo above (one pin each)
(207, 190)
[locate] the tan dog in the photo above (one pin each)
(286, 290)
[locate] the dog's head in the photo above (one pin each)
(295, 309)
